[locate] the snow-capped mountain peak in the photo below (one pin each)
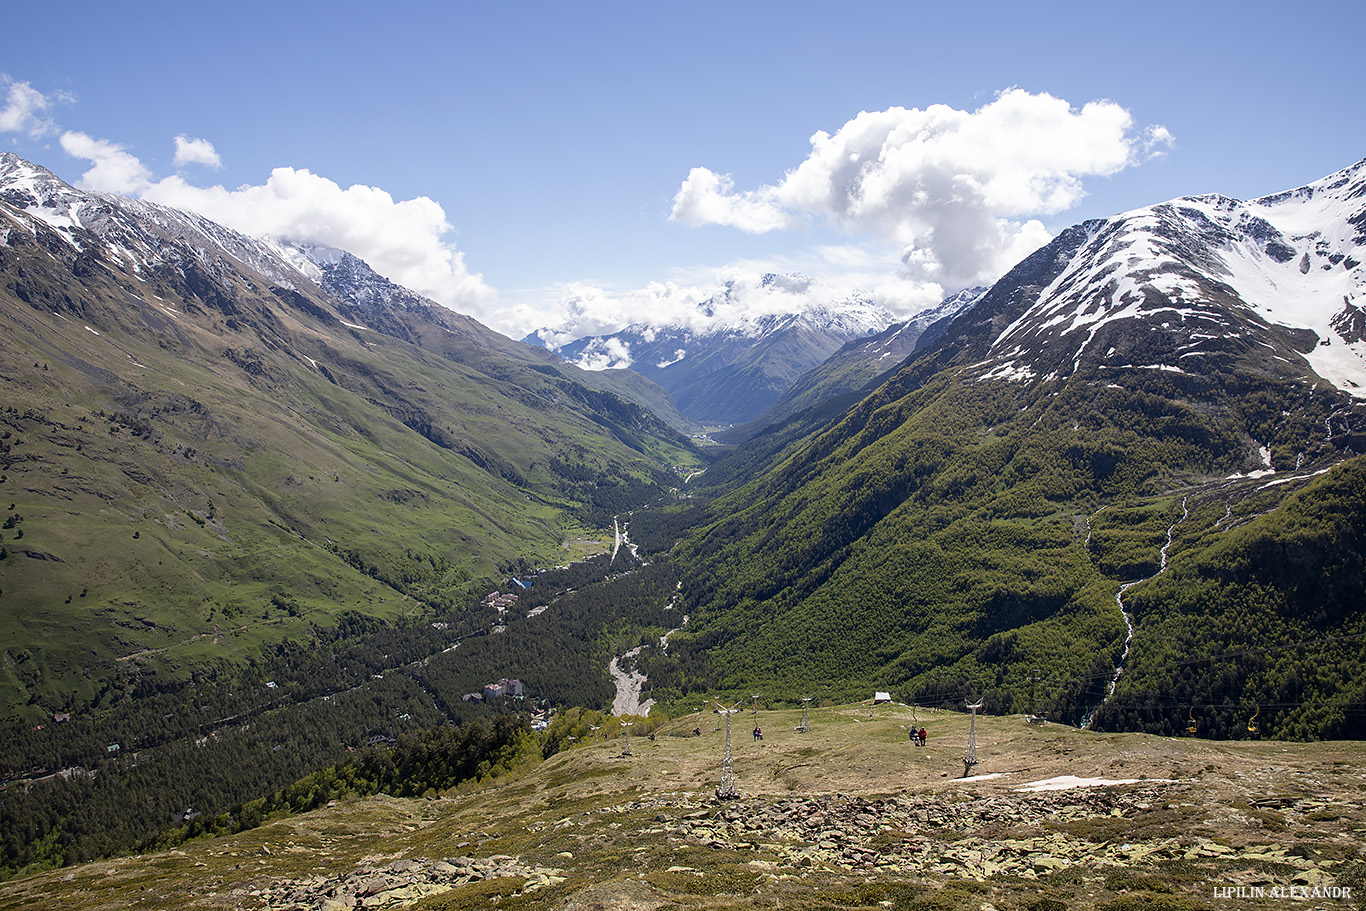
(135, 233)
(142, 235)
(731, 355)
(1206, 270)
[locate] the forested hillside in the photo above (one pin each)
(111, 781)
(1260, 617)
(962, 540)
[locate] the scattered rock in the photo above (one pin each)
(399, 884)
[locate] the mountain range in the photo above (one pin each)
(858, 364)
(730, 371)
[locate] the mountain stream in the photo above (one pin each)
(1128, 618)
(621, 532)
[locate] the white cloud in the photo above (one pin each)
(115, 169)
(1156, 141)
(24, 109)
(706, 198)
(403, 240)
(196, 151)
(946, 186)
(579, 309)
(605, 354)
(705, 300)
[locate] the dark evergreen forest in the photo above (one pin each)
(111, 781)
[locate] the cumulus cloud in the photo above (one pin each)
(952, 189)
(584, 309)
(404, 240)
(1156, 141)
(196, 151)
(706, 198)
(730, 296)
(115, 170)
(605, 354)
(25, 109)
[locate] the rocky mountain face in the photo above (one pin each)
(1190, 286)
(368, 298)
(208, 436)
(861, 361)
(1172, 397)
(721, 373)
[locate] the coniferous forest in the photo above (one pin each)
(379, 705)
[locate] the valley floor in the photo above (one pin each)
(847, 815)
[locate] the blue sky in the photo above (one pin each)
(541, 164)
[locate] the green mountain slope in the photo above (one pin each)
(966, 528)
(202, 453)
(1262, 610)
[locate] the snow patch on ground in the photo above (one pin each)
(1067, 782)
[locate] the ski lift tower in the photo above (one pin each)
(593, 732)
(726, 789)
(754, 697)
(806, 715)
(626, 732)
(970, 757)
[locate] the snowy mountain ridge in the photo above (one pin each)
(726, 315)
(862, 360)
(1215, 270)
(735, 353)
(133, 230)
(135, 233)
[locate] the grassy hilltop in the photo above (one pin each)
(848, 815)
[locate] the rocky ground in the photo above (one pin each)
(628, 683)
(849, 815)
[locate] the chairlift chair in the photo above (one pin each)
(1191, 726)
(1252, 722)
